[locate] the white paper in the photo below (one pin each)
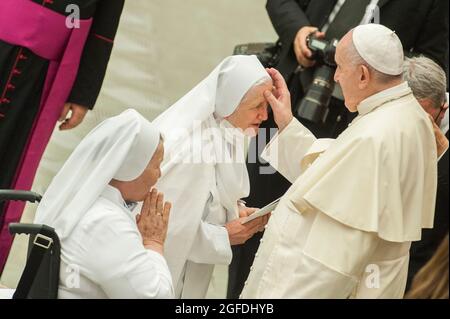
(262, 211)
(6, 293)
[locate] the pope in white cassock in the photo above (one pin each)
(344, 228)
(204, 173)
(106, 251)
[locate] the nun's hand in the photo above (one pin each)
(279, 100)
(265, 220)
(245, 211)
(239, 233)
(153, 220)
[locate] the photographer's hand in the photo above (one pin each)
(302, 52)
(279, 100)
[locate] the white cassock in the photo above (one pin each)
(105, 247)
(102, 251)
(344, 228)
(200, 177)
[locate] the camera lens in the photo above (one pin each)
(314, 106)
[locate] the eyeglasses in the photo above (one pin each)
(443, 107)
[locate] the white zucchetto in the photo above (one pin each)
(380, 47)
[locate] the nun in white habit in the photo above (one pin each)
(204, 173)
(107, 251)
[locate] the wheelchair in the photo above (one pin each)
(40, 277)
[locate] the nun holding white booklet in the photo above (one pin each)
(204, 174)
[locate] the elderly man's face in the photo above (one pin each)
(437, 112)
(348, 75)
(252, 110)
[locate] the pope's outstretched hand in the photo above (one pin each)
(279, 100)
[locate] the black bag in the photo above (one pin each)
(268, 53)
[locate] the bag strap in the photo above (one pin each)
(41, 244)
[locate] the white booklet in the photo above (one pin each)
(6, 293)
(262, 211)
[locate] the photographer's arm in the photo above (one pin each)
(293, 27)
(287, 18)
(433, 39)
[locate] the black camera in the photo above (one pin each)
(314, 106)
(267, 53)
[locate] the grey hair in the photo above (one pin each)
(426, 79)
(356, 59)
(262, 81)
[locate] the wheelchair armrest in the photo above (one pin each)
(40, 277)
(31, 229)
(8, 194)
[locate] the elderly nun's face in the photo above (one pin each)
(151, 173)
(252, 110)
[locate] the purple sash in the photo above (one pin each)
(43, 31)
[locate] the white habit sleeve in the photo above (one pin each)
(287, 148)
(211, 245)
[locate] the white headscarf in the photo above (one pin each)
(206, 106)
(118, 148)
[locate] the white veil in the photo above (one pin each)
(118, 148)
(205, 106)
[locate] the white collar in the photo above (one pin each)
(113, 194)
(383, 97)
